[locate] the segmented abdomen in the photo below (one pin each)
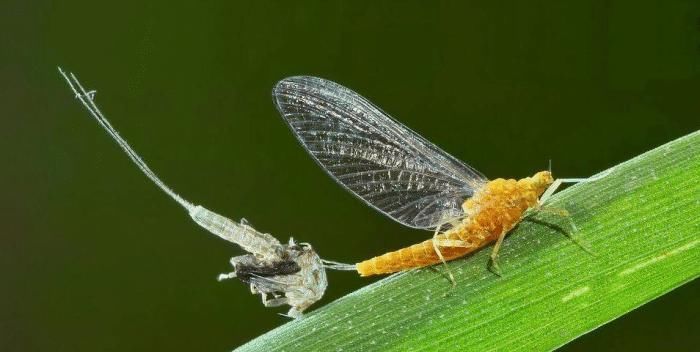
(415, 256)
(496, 209)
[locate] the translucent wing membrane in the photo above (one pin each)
(377, 158)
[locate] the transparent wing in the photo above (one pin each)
(377, 158)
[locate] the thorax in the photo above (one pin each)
(499, 205)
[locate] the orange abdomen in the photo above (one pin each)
(493, 210)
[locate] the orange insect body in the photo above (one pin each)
(492, 211)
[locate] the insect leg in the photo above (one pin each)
(562, 212)
(558, 182)
(442, 259)
(226, 276)
(576, 239)
(571, 234)
(231, 275)
(293, 313)
(275, 302)
(548, 193)
(494, 254)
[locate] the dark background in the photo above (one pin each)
(95, 258)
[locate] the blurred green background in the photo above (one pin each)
(96, 258)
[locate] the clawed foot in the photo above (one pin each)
(494, 267)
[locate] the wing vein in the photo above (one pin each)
(381, 161)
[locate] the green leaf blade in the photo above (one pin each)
(642, 221)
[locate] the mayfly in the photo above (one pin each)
(291, 274)
(404, 176)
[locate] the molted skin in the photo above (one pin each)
(295, 277)
(493, 210)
